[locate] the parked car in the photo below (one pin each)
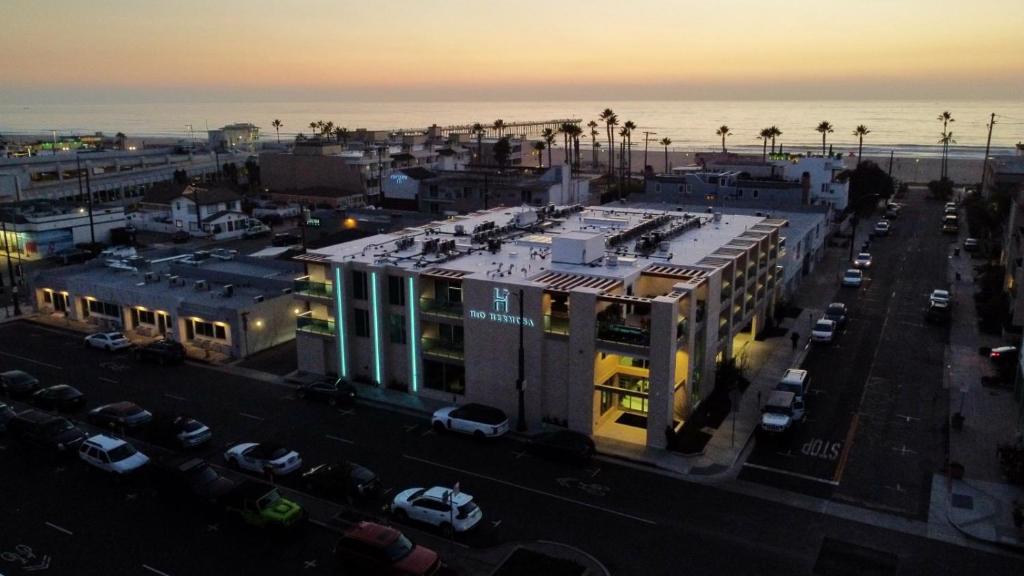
(111, 455)
(882, 228)
(824, 331)
(18, 384)
(950, 224)
(795, 380)
(161, 352)
(475, 419)
(344, 480)
(6, 413)
(109, 341)
(286, 239)
(115, 252)
(853, 278)
(333, 392)
(369, 548)
(1004, 354)
(62, 397)
(177, 432)
(262, 457)
(256, 229)
(892, 209)
(971, 245)
(836, 312)
(119, 415)
(42, 429)
(937, 314)
(180, 237)
(562, 445)
(444, 508)
(863, 260)
(781, 411)
(71, 256)
(940, 299)
(261, 505)
(192, 477)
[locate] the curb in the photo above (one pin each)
(597, 563)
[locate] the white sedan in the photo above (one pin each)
(824, 331)
(939, 298)
(109, 341)
(262, 457)
(444, 508)
(853, 278)
(863, 260)
(474, 419)
(111, 454)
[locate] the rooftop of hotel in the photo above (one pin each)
(528, 243)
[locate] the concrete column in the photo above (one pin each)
(662, 362)
(583, 410)
(60, 172)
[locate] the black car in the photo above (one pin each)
(61, 397)
(333, 392)
(18, 384)
(562, 445)
(286, 239)
(177, 432)
(836, 312)
(345, 480)
(119, 414)
(6, 413)
(192, 477)
(180, 237)
(71, 256)
(42, 429)
(161, 352)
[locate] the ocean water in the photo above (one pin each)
(909, 128)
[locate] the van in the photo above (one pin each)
(781, 411)
(796, 381)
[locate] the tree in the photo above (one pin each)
(565, 129)
(866, 180)
(277, 128)
(623, 135)
(946, 140)
(576, 133)
(549, 140)
(860, 132)
(666, 142)
(478, 129)
(341, 135)
(775, 133)
(942, 189)
(764, 136)
(315, 127)
(824, 128)
(723, 131)
(946, 118)
(628, 127)
(610, 121)
(502, 151)
(593, 141)
(327, 128)
(499, 126)
(539, 146)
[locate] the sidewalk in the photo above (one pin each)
(980, 505)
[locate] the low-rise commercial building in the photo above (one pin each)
(234, 307)
(618, 314)
(37, 229)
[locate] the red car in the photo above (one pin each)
(369, 548)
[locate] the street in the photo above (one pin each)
(634, 521)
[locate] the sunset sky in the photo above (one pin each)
(457, 49)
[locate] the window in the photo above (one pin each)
(362, 323)
(450, 378)
(359, 285)
(209, 330)
(396, 328)
(104, 309)
(47, 296)
(450, 333)
(739, 193)
(396, 296)
(757, 193)
(657, 187)
(143, 317)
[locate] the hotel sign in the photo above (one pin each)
(500, 311)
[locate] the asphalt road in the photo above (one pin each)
(634, 521)
(875, 429)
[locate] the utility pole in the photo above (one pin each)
(10, 268)
(92, 227)
(647, 138)
(892, 153)
(521, 381)
(988, 145)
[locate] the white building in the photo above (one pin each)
(37, 229)
(241, 136)
(219, 216)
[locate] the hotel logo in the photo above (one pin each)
(501, 300)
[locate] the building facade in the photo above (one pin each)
(37, 229)
(621, 314)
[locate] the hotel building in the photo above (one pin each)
(619, 314)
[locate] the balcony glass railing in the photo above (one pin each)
(682, 328)
(441, 307)
(308, 287)
(623, 334)
(315, 325)
(556, 324)
(443, 348)
(726, 292)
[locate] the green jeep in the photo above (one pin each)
(262, 505)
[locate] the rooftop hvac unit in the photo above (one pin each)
(172, 280)
(227, 291)
(286, 291)
(612, 260)
(258, 298)
(718, 216)
(460, 229)
(149, 277)
(200, 285)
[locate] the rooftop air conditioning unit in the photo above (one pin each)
(199, 285)
(227, 291)
(286, 291)
(149, 277)
(258, 298)
(172, 280)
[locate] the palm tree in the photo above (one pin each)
(946, 140)
(825, 128)
(723, 131)
(277, 128)
(593, 141)
(610, 121)
(764, 136)
(946, 118)
(539, 147)
(623, 135)
(341, 134)
(775, 134)
(549, 139)
(499, 126)
(478, 129)
(860, 132)
(666, 142)
(328, 128)
(315, 127)
(629, 126)
(566, 130)
(576, 133)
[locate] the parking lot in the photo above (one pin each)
(876, 414)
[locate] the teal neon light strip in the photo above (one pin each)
(414, 338)
(339, 314)
(376, 328)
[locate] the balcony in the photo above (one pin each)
(442, 348)
(441, 307)
(682, 328)
(310, 325)
(726, 292)
(306, 287)
(623, 334)
(556, 324)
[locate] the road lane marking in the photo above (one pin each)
(111, 380)
(173, 397)
(249, 416)
(59, 529)
(155, 571)
(792, 474)
(850, 434)
(907, 418)
(337, 439)
(531, 490)
(26, 359)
